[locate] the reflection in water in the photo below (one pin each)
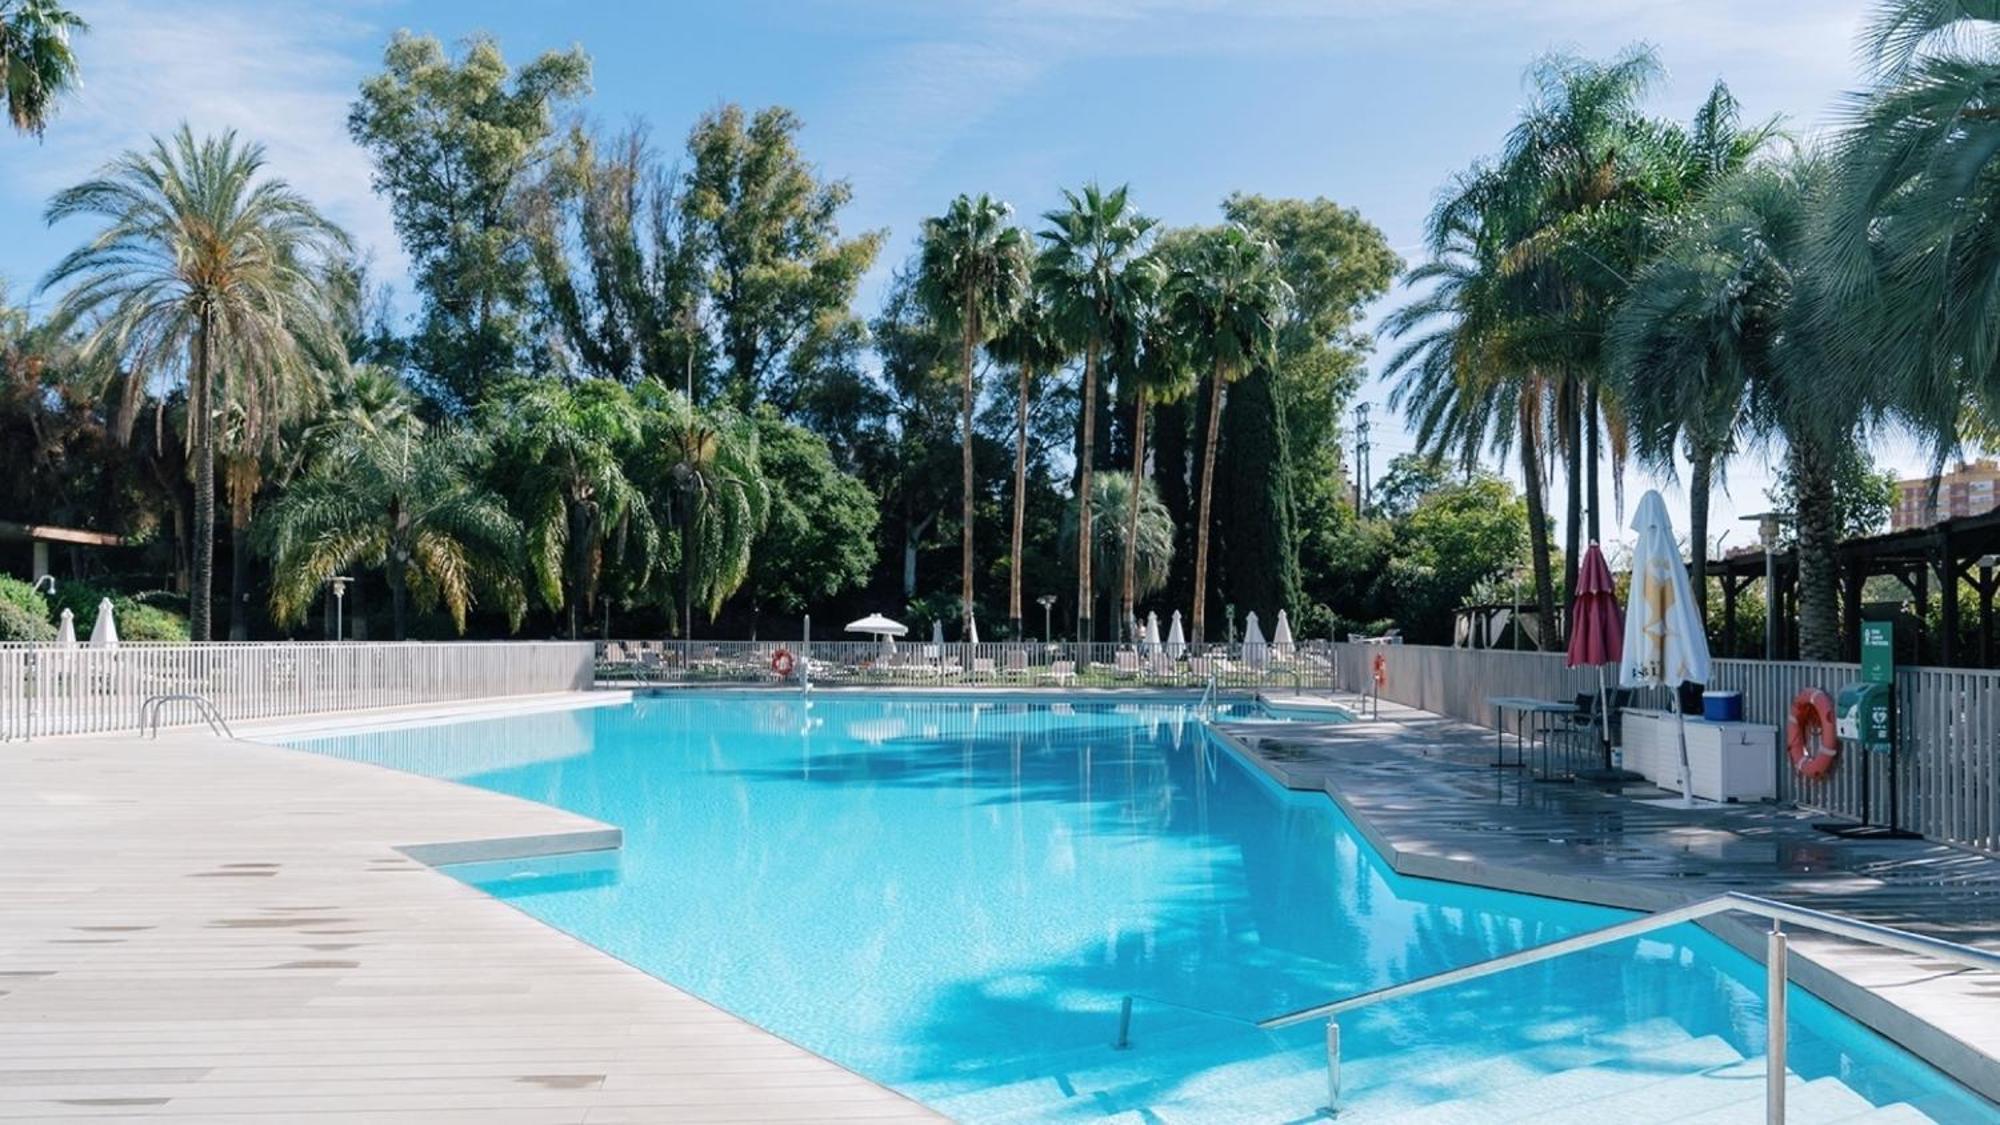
(952, 895)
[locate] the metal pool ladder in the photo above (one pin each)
(203, 706)
(1774, 962)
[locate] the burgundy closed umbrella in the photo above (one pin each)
(1596, 629)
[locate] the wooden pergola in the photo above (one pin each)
(1922, 560)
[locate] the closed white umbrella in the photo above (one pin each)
(972, 630)
(104, 631)
(1281, 638)
(1256, 653)
(937, 632)
(1152, 633)
(1665, 642)
(1176, 640)
(66, 635)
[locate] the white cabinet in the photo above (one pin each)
(1729, 761)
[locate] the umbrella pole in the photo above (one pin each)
(1687, 775)
(1604, 716)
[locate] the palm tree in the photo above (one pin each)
(719, 496)
(1152, 372)
(566, 449)
(36, 63)
(205, 270)
(1031, 345)
(408, 503)
(1474, 374)
(972, 273)
(1912, 269)
(1224, 303)
(1149, 542)
(1723, 330)
(1081, 270)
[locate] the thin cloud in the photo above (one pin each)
(280, 74)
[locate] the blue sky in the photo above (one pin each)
(1368, 102)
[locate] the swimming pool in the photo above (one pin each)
(956, 896)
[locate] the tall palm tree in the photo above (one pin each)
(1224, 304)
(1913, 270)
(1081, 270)
(206, 270)
(719, 497)
(36, 63)
(972, 273)
(1724, 329)
(407, 502)
(1153, 371)
(566, 449)
(1149, 542)
(1032, 346)
(1475, 372)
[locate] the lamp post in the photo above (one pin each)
(1048, 602)
(1769, 526)
(340, 582)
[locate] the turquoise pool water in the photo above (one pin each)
(956, 896)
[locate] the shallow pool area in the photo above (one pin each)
(959, 896)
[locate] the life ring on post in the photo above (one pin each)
(782, 663)
(1381, 668)
(1811, 741)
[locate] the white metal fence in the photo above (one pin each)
(1948, 725)
(46, 690)
(1306, 665)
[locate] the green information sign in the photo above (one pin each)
(1878, 653)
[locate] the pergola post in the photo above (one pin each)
(1948, 573)
(1986, 587)
(1854, 579)
(1729, 614)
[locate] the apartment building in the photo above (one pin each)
(1969, 490)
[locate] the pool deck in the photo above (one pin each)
(195, 929)
(1422, 789)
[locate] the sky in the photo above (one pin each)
(1371, 103)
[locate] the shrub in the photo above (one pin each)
(18, 624)
(140, 622)
(15, 592)
(139, 617)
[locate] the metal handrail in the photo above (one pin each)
(209, 712)
(1777, 973)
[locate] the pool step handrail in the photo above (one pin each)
(211, 714)
(1776, 972)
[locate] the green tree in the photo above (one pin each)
(565, 451)
(37, 65)
(1864, 493)
(455, 143)
(1031, 345)
(1152, 549)
(720, 499)
(972, 273)
(620, 285)
(1153, 370)
(764, 231)
(819, 540)
(1224, 301)
(1081, 272)
(403, 501)
(1456, 538)
(205, 270)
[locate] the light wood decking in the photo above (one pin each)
(194, 929)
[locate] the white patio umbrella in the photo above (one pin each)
(104, 631)
(1281, 638)
(1176, 640)
(880, 627)
(1152, 633)
(1256, 653)
(1665, 644)
(972, 630)
(66, 635)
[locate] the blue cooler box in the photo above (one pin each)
(1722, 706)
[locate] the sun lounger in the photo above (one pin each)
(1062, 671)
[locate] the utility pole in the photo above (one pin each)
(1361, 447)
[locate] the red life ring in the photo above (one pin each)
(1381, 669)
(782, 663)
(1811, 741)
